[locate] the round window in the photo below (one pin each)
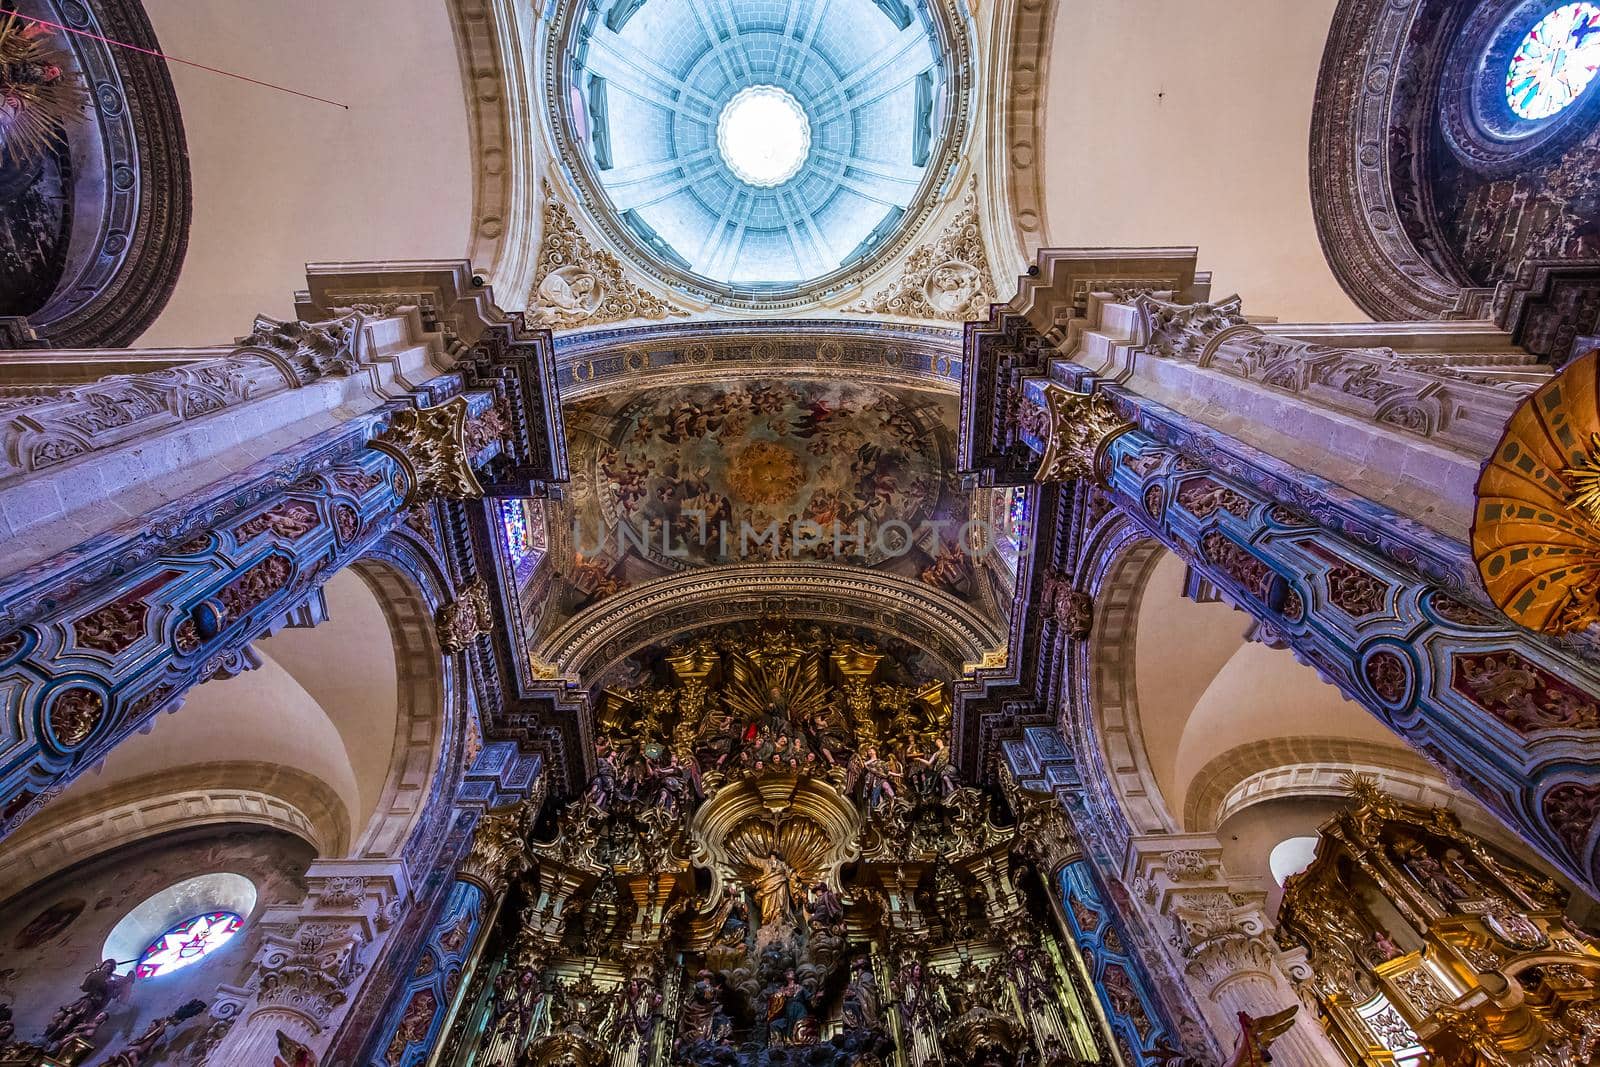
(181, 925)
(1555, 62)
(764, 136)
(188, 942)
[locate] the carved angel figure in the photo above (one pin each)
(147, 1044)
(99, 987)
(566, 297)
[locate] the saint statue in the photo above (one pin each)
(778, 890)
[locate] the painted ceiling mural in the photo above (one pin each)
(675, 477)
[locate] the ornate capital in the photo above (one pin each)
(465, 618)
(430, 445)
(313, 975)
(1219, 960)
(1075, 428)
(500, 844)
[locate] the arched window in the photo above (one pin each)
(1555, 62)
(1291, 856)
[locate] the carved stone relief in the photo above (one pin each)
(576, 284)
(946, 278)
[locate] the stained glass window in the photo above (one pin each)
(1555, 62)
(188, 942)
(524, 535)
(1013, 532)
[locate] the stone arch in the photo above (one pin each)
(1113, 699)
(1179, 736)
(660, 610)
(285, 745)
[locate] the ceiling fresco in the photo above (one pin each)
(676, 477)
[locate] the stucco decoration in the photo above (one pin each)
(578, 285)
(1432, 199)
(945, 278)
(96, 227)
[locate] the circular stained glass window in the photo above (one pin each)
(1555, 62)
(188, 942)
(764, 136)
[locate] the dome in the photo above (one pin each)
(754, 151)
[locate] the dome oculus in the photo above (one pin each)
(757, 152)
(1555, 62)
(764, 136)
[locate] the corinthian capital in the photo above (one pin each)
(430, 444)
(1076, 427)
(500, 845)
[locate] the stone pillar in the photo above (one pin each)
(245, 477)
(312, 959)
(1222, 941)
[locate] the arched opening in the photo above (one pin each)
(333, 738)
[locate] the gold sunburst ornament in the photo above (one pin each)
(1536, 525)
(1584, 477)
(38, 97)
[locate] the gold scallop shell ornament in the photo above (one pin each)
(1536, 527)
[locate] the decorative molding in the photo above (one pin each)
(945, 278)
(577, 284)
(1019, 92)
(1360, 225)
(502, 112)
(43, 426)
(1075, 429)
(1459, 400)
(430, 445)
(655, 611)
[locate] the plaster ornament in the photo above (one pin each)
(946, 278)
(465, 619)
(1077, 427)
(430, 446)
(577, 284)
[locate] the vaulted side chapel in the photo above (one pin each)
(799, 533)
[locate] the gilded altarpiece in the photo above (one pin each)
(777, 863)
(1425, 947)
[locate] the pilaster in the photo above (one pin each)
(1221, 940)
